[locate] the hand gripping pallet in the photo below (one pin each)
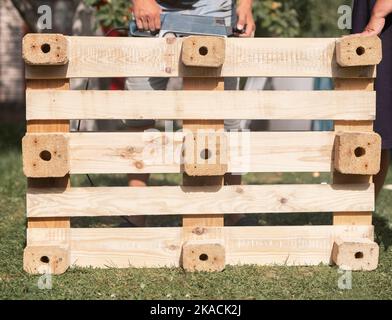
(51, 153)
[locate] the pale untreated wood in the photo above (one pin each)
(203, 255)
(46, 259)
(192, 127)
(352, 217)
(46, 126)
(159, 152)
(357, 153)
(141, 57)
(357, 50)
(355, 254)
(270, 105)
(159, 247)
(191, 200)
(45, 155)
(199, 51)
(45, 49)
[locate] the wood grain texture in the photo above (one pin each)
(206, 105)
(356, 218)
(196, 200)
(357, 50)
(199, 51)
(192, 126)
(161, 247)
(140, 57)
(158, 152)
(46, 126)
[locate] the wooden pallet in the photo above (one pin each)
(51, 153)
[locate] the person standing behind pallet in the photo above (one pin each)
(147, 15)
(380, 23)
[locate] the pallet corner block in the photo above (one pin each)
(45, 155)
(203, 255)
(46, 259)
(355, 254)
(357, 153)
(205, 154)
(202, 51)
(45, 49)
(358, 51)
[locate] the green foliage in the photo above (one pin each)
(304, 18)
(289, 18)
(276, 19)
(111, 13)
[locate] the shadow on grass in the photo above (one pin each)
(383, 231)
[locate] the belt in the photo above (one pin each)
(181, 4)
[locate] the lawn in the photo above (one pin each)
(245, 282)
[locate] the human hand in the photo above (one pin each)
(374, 27)
(245, 19)
(147, 14)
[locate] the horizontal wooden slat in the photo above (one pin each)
(156, 152)
(122, 201)
(140, 57)
(161, 247)
(285, 105)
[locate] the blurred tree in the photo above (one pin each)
(112, 13)
(62, 11)
(289, 18)
(28, 12)
(305, 18)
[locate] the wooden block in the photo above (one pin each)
(45, 155)
(355, 254)
(203, 255)
(198, 51)
(205, 153)
(46, 259)
(45, 49)
(358, 51)
(357, 153)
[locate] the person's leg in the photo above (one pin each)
(379, 179)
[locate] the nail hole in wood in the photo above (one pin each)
(45, 155)
(359, 152)
(45, 259)
(205, 154)
(203, 257)
(358, 255)
(45, 48)
(203, 51)
(360, 51)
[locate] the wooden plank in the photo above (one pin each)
(161, 247)
(352, 217)
(206, 105)
(37, 126)
(193, 126)
(198, 200)
(159, 152)
(139, 57)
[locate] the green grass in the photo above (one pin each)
(247, 282)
